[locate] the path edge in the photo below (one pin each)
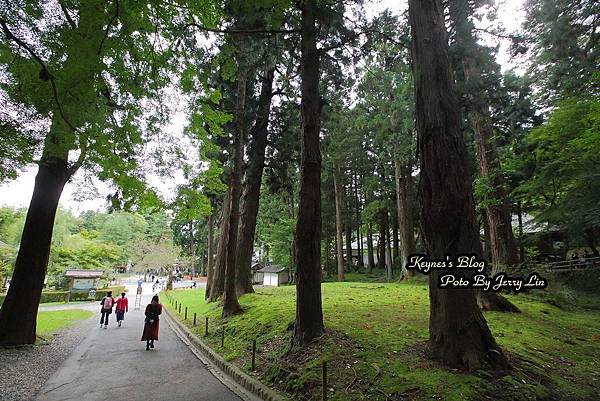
(225, 371)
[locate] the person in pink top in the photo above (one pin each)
(121, 308)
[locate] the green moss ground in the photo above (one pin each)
(52, 321)
(375, 346)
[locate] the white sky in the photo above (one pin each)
(79, 197)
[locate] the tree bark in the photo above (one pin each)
(348, 229)
(502, 242)
(18, 314)
(405, 216)
(251, 193)
(217, 284)
(370, 253)
(359, 242)
(521, 245)
(381, 243)
(389, 262)
(210, 261)
(338, 190)
(459, 336)
(309, 313)
(192, 250)
(231, 304)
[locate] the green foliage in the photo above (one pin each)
(275, 227)
(565, 166)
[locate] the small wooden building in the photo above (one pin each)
(257, 275)
(274, 276)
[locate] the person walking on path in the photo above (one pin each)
(121, 308)
(151, 324)
(107, 303)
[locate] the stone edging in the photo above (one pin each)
(248, 383)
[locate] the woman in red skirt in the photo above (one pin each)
(153, 310)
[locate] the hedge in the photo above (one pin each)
(61, 296)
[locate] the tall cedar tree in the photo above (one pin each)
(502, 242)
(253, 179)
(458, 333)
(309, 312)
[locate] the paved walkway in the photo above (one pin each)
(114, 364)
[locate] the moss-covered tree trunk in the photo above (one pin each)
(459, 336)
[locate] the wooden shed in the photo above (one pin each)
(257, 275)
(274, 276)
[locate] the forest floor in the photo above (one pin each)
(375, 345)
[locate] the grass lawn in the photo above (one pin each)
(375, 346)
(51, 321)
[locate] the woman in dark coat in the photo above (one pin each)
(153, 310)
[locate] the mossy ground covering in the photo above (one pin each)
(375, 346)
(50, 321)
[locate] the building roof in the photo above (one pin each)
(256, 266)
(78, 273)
(272, 269)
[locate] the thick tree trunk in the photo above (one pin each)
(458, 333)
(19, 311)
(359, 242)
(396, 241)
(370, 253)
(231, 305)
(348, 229)
(405, 216)
(251, 193)
(381, 243)
(521, 244)
(192, 251)
(309, 310)
(389, 262)
(217, 284)
(210, 261)
(502, 241)
(338, 190)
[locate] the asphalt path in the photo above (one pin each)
(113, 364)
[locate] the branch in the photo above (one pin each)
(66, 13)
(112, 20)
(497, 34)
(79, 162)
(241, 31)
(45, 74)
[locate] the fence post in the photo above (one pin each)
(254, 355)
(206, 327)
(185, 318)
(324, 381)
(222, 336)
(194, 318)
(180, 308)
